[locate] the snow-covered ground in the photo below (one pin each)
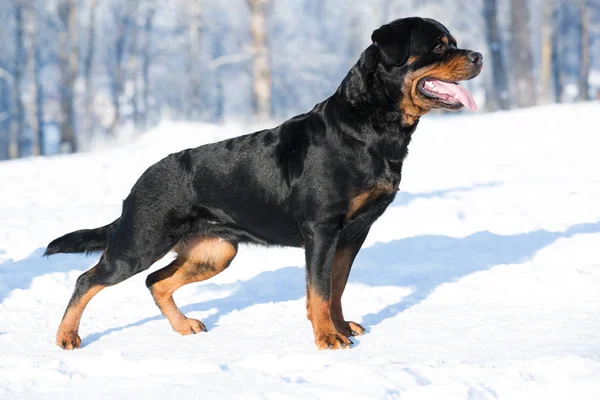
(481, 281)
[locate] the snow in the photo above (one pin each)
(481, 281)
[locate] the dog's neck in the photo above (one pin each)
(364, 91)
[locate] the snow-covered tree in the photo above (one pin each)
(76, 72)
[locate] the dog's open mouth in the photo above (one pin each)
(450, 93)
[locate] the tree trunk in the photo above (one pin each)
(5, 104)
(34, 115)
(146, 62)
(557, 50)
(69, 64)
(584, 52)
(193, 97)
(133, 64)
(88, 66)
(117, 68)
(521, 55)
(356, 32)
(217, 51)
(18, 117)
(39, 99)
(261, 81)
(386, 12)
(499, 96)
(546, 53)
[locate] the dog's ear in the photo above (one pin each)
(393, 41)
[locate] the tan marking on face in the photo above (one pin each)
(414, 104)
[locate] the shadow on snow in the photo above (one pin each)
(421, 263)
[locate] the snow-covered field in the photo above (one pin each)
(481, 281)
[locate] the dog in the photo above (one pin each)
(317, 181)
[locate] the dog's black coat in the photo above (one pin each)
(293, 185)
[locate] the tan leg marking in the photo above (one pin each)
(197, 260)
(319, 313)
(339, 277)
(67, 336)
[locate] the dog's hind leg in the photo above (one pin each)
(105, 273)
(86, 288)
(125, 256)
(197, 260)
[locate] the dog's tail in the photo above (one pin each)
(82, 241)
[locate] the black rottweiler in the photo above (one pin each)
(317, 181)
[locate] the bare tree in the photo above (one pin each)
(147, 61)
(69, 65)
(193, 97)
(5, 100)
(39, 97)
(120, 18)
(521, 54)
(584, 52)
(557, 50)
(18, 118)
(498, 96)
(261, 80)
(133, 62)
(546, 53)
(88, 65)
(34, 106)
(386, 12)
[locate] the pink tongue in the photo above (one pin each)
(459, 92)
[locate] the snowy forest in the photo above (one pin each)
(75, 73)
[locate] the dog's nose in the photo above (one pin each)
(475, 57)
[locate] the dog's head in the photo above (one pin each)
(420, 59)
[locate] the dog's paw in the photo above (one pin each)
(68, 340)
(333, 341)
(350, 328)
(189, 326)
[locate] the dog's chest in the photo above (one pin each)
(370, 200)
(370, 203)
(389, 153)
(365, 210)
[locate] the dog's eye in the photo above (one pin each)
(439, 49)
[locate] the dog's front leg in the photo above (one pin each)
(320, 244)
